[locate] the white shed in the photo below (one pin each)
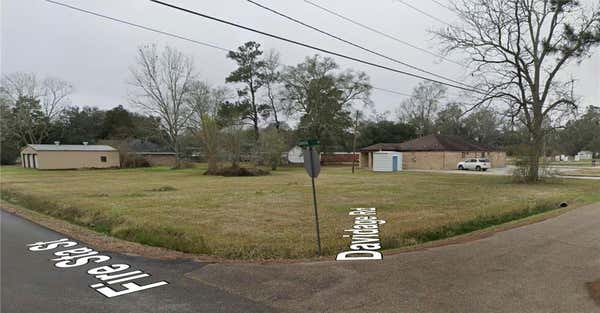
(296, 155)
(387, 161)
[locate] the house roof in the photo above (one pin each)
(54, 147)
(435, 142)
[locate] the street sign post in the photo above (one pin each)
(309, 143)
(311, 162)
(313, 168)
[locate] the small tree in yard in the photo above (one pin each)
(163, 85)
(518, 49)
(272, 145)
(231, 122)
(272, 80)
(205, 103)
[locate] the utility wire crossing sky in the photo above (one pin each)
(95, 54)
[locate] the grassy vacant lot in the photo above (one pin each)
(272, 216)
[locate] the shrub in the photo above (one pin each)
(234, 171)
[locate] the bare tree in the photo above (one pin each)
(205, 103)
(271, 79)
(162, 85)
(518, 49)
(51, 95)
(421, 108)
(54, 96)
(19, 84)
(52, 92)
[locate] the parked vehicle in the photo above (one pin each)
(474, 164)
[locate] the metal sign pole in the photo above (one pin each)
(312, 179)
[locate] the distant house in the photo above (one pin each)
(584, 155)
(57, 156)
(332, 158)
(159, 158)
(434, 152)
(563, 157)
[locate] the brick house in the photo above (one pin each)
(434, 152)
(158, 158)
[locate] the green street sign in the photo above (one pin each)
(309, 143)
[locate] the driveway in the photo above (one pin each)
(508, 171)
(542, 267)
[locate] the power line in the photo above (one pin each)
(394, 38)
(442, 5)
(353, 44)
(177, 36)
(139, 26)
(393, 91)
(423, 12)
(313, 47)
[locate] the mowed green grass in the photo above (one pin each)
(271, 217)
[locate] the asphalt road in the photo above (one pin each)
(541, 267)
(31, 282)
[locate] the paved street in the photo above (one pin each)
(542, 267)
(31, 282)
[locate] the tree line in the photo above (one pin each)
(315, 92)
(244, 119)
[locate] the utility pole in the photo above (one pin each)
(354, 143)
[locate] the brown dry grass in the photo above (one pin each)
(271, 217)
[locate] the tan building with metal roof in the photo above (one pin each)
(57, 156)
(434, 152)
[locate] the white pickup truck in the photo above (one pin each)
(474, 164)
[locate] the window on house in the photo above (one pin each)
(103, 159)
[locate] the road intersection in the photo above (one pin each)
(542, 267)
(32, 283)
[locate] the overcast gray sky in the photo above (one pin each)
(95, 54)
